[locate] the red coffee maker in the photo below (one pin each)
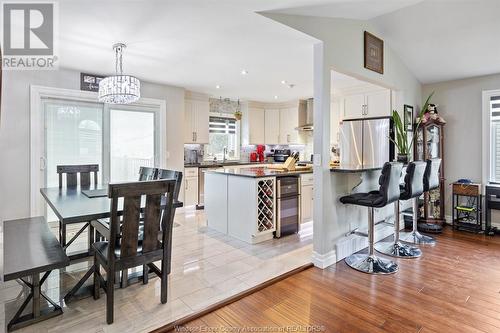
(260, 152)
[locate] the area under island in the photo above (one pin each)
(243, 202)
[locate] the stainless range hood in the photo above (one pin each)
(309, 125)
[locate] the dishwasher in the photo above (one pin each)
(287, 206)
(201, 185)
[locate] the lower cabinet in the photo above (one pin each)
(190, 186)
(307, 198)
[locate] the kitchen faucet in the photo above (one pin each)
(224, 153)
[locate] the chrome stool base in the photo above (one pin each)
(398, 249)
(415, 237)
(371, 264)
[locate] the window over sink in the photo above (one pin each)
(224, 137)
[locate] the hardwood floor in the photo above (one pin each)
(453, 287)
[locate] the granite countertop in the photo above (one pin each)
(346, 168)
(257, 172)
(210, 164)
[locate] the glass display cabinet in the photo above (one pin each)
(429, 144)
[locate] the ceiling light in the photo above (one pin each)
(119, 88)
(291, 86)
(244, 72)
(283, 82)
(217, 87)
(275, 97)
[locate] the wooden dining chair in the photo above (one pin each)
(147, 173)
(177, 175)
(124, 250)
(73, 172)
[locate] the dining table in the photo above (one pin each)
(78, 204)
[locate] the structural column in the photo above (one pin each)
(323, 246)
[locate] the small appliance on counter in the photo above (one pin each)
(193, 155)
(258, 154)
(280, 155)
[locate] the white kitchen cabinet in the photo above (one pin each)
(196, 117)
(272, 127)
(289, 120)
(190, 186)
(307, 197)
(376, 103)
(354, 106)
(253, 126)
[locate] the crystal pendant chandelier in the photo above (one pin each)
(119, 88)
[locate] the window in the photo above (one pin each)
(494, 106)
(223, 134)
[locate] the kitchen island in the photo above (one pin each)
(242, 202)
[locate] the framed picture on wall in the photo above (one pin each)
(408, 117)
(374, 53)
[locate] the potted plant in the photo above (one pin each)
(237, 114)
(401, 134)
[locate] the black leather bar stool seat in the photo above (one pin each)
(413, 187)
(388, 193)
(430, 182)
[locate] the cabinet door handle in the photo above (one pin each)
(288, 138)
(196, 136)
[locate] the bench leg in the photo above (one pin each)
(36, 314)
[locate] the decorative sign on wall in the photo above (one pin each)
(374, 53)
(90, 82)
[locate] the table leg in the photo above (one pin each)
(36, 295)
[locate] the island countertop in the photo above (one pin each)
(352, 168)
(257, 172)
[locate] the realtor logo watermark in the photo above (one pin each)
(29, 30)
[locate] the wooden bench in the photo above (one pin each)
(30, 248)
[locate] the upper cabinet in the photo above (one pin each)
(374, 103)
(272, 127)
(289, 120)
(272, 123)
(196, 120)
(253, 126)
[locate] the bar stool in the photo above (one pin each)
(388, 193)
(413, 188)
(430, 182)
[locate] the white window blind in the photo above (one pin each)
(495, 139)
(221, 125)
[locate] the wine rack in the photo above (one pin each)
(266, 212)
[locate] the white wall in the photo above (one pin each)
(460, 104)
(15, 136)
(340, 48)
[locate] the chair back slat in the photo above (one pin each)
(152, 220)
(72, 172)
(128, 235)
(147, 173)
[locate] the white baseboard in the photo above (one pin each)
(354, 243)
(306, 229)
(324, 260)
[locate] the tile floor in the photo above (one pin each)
(207, 267)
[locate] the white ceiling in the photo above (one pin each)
(198, 44)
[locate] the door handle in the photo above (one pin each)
(195, 137)
(43, 163)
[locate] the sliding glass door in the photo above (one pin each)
(120, 139)
(132, 142)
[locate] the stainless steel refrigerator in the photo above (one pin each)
(365, 142)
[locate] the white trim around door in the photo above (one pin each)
(37, 159)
